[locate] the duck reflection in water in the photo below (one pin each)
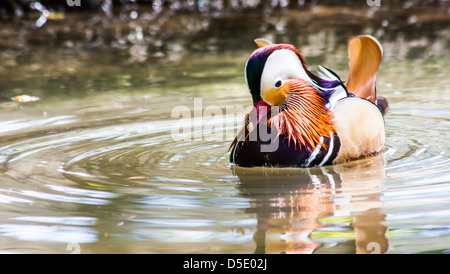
(296, 208)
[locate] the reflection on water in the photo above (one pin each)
(298, 209)
(95, 164)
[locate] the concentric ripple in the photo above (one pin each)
(127, 171)
(130, 180)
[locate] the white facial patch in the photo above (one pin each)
(282, 64)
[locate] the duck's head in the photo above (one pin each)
(272, 67)
(277, 75)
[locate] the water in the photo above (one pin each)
(95, 165)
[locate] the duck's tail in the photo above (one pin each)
(365, 53)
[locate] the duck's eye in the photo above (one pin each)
(278, 83)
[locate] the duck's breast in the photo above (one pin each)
(360, 127)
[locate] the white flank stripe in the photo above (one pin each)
(330, 150)
(315, 152)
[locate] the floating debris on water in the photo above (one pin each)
(137, 178)
(25, 98)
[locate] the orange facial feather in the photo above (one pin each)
(303, 117)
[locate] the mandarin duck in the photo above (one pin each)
(301, 119)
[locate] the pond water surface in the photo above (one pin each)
(97, 164)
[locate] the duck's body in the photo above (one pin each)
(311, 120)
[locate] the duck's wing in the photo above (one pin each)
(365, 54)
(338, 91)
(261, 42)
